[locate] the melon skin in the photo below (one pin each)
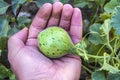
(55, 42)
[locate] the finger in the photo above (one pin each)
(76, 26)
(39, 23)
(56, 13)
(16, 42)
(66, 16)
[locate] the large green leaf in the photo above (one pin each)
(41, 2)
(110, 6)
(99, 34)
(4, 26)
(116, 20)
(3, 6)
(106, 27)
(101, 2)
(98, 75)
(23, 21)
(109, 68)
(12, 31)
(95, 35)
(83, 3)
(4, 72)
(113, 76)
(64, 1)
(16, 4)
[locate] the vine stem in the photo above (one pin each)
(17, 13)
(83, 54)
(95, 14)
(87, 69)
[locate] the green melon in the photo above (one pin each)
(55, 42)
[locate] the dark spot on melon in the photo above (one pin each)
(53, 38)
(40, 44)
(53, 53)
(60, 53)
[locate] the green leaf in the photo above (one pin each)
(113, 76)
(64, 1)
(116, 20)
(83, 3)
(105, 16)
(101, 2)
(3, 42)
(109, 68)
(4, 26)
(12, 31)
(3, 7)
(0, 52)
(41, 2)
(12, 77)
(106, 27)
(95, 35)
(110, 6)
(98, 75)
(23, 20)
(16, 4)
(4, 72)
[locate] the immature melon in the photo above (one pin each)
(54, 42)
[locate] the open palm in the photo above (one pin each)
(24, 56)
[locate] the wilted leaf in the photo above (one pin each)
(105, 16)
(116, 20)
(16, 4)
(98, 75)
(3, 7)
(41, 2)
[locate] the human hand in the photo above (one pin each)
(28, 63)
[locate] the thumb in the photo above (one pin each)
(17, 41)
